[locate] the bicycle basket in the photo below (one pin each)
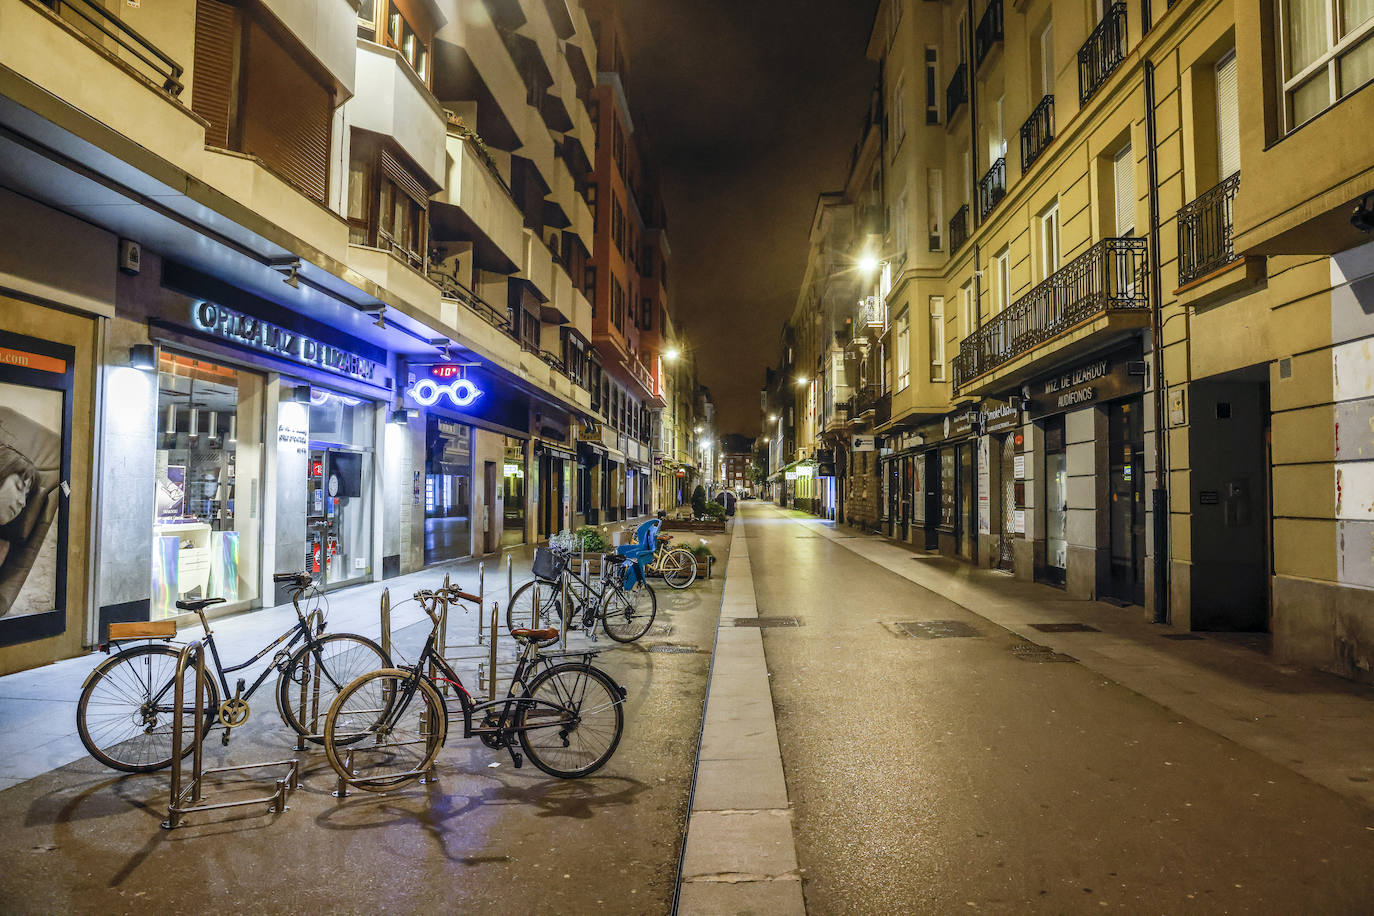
(547, 564)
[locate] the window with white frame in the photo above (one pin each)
(1123, 184)
(1001, 280)
(937, 338)
(932, 84)
(997, 139)
(935, 205)
(897, 112)
(966, 310)
(902, 349)
(1326, 53)
(1228, 118)
(1049, 240)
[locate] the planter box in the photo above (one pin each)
(704, 527)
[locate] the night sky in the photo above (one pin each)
(752, 108)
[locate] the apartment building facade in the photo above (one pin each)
(1087, 206)
(292, 287)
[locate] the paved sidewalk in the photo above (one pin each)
(38, 706)
(740, 856)
(1315, 724)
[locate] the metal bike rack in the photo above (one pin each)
(183, 800)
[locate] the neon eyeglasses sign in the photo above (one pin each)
(459, 392)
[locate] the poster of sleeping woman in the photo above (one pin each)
(30, 471)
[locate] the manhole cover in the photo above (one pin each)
(673, 650)
(937, 629)
(767, 622)
(1034, 652)
(1065, 628)
(1181, 636)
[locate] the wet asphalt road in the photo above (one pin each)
(482, 839)
(953, 775)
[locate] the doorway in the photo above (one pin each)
(339, 518)
(1126, 507)
(967, 523)
(1056, 503)
(491, 507)
(1004, 519)
(1232, 538)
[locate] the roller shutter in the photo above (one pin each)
(287, 115)
(212, 75)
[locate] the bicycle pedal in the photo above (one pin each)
(517, 759)
(224, 739)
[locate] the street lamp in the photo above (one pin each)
(671, 354)
(802, 380)
(869, 264)
(772, 418)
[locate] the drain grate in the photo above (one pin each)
(666, 649)
(938, 629)
(1065, 628)
(1034, 652)
(767, 622)
(1181, 636)
(660, 629)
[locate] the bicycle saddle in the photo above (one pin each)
(665, 538)
(540, 634)
(301, 579)
(197, 604)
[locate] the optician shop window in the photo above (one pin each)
(207, 523)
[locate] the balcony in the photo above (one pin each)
(958, 229)
(864, 401)
(133, 49)
(451, 288)
(1037, 133)
(1100, 293)
(872, 314)
(392, 101)
(989, 31)
(475, 205)
(1102, 53)
(1204, 232)
(992, 188)
(957, 92)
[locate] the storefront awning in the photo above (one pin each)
(558, 451)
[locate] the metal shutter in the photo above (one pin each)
(1123, 173)
(1228, 118)
(212, 73)
(287, 115)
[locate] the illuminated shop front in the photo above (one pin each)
(339, 479)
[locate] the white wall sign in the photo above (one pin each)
(1019, 521)
(984, 485)
(864, 443)
(1018, 466)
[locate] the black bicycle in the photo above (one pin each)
(126, 709)
(386, 728)
(625, 608)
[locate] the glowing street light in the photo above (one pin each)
(868, 264)
(672, 354)
(802, 380)
(772, 418)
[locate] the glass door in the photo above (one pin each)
(1056, 503)
(339, 481)
(1125, 437)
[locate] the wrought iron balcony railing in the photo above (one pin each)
(1037, 132)
(146, 56)
(873, 313)
(1108, 277)
(450, 288)
(1204, 232)
(958, 229)
(989, 31)
(864, 399)
(992, 188)
(957, 92)
(1103, 52)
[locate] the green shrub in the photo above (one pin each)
(715, 512)
(702, 553)
(591, 539)
(699, 502)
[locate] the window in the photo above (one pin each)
(935, 205)
(899, 227)
(1123, 184)
(997, 139)
(1316, 70)
(902, 345)
(387, 206)
(1047, 60)
(1228, 118)
(1049, 240)
(617, 304)
(1001, 274)
(932, 85)
(897, 112)
(966, 310)
(962, 32)
(402, 37)
(937, 338)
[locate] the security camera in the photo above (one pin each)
(1363, 217)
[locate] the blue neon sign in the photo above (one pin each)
(459, 392)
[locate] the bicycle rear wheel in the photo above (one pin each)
(308, 685)
(385, 729)
(627, 615)
(570, 720)
(125, 713)
(546, 596)
(678, 567)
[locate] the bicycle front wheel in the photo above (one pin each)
(678, 567)
(538, 594)
(127, 708)
(385, 729)
(312, 678)
(627, 615)
(570, 720)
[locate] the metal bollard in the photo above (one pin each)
(510, 577)
(481, 596)
(491, 672)
(386, 622)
